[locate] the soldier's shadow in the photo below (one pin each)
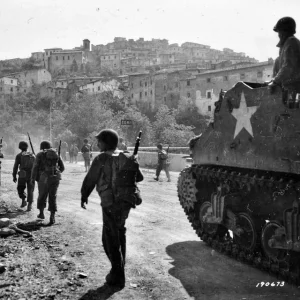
(102, 293)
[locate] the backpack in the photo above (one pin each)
(163, 155)
(27, 160)
(51, 157)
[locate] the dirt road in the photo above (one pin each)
(166, 260)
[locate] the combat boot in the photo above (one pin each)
(52, 218)
(41, 215)
(24, 203)
(29, 206)
(156, 178)
(116, 276)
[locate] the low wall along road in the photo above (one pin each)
(147, 157)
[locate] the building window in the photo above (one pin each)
(207, 79)
(225, 78)
(59, 92)
(188, 83)
(46, 52)
(145, 83)
(208, 95)
(115, 56)
(131, 96)
(209, 108)
(56, 57)
(68, 57)
(259, 74)
(141, 84)
(62, 83)
(189, 95)
(165, 87)
(165, 99)
(1, 89)
(141, 95)
(63, 58)
(151, 82)
(176, 84)
(11, 89)
(132, 85)
(11, 81)
(24, 91)
(242, 76)
(151, 92)
(145, 93)
(98, 88)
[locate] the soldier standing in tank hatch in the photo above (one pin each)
(47, 170)
(115, 175)
(287, 66)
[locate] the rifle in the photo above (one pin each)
(30, 143)
(59, 146)
(91, 147)
(137, 143)
(1, 156)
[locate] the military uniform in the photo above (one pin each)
(162, 164)
(23, 181)
(118, 195)
(85, 150)
(287, 65)
(48, 181)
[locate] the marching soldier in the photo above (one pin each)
(114, 174)
(47, 170)
(163, 163)
(24, 162)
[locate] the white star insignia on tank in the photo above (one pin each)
(243, 115)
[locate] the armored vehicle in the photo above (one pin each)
(242, 192)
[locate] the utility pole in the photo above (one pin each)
(22, 111)
(52, 108)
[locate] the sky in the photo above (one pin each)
(28, 26)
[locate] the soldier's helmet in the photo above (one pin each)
(45, 145)
(85, 140)
(287, 24)
(23, 145)
(109, 137)
(159, 146)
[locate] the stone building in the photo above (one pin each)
(65, 59)
(29, 77)
(111, 61)
(210, 83)
(141, 90)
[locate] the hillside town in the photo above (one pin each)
(138, 72)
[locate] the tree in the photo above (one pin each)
(187, 114)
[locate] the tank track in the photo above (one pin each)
(187, 194)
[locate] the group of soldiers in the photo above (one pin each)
(115, 173)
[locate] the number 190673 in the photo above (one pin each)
(278, 283)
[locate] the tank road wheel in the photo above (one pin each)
(207, 227)
(187, 189)
(267, 233)
(247, 237)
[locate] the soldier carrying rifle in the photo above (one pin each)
(115, 175)
(47, 170)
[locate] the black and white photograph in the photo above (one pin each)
(150, 150)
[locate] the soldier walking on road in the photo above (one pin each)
(24, 162)
(115, 175)
(47, 170)
(71, 153)
(85, 150)
(64, 148)
(163, 163)
(75, 153)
